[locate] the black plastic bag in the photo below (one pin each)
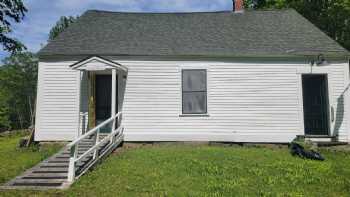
(298, 150)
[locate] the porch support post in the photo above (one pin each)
(114, 95)
(79, 78)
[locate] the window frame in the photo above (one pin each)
(206, 92)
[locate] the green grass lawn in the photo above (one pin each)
(14, 160)
(188, 170)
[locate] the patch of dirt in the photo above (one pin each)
(263, 145)
(341, 148)
(135, 145)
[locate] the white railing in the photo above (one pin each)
(114, 138)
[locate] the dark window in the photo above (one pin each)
(194, 91)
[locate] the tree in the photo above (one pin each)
(18, 77)
(10, 10)
(4, 113)
(61, 25)
(331, 16)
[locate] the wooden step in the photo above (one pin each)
(53, 172)
(50, 170)
(58, 161)
(79, 152)
(86, 145)
(84, 149)
(63, 157)
(45, 175)
(38, 182)
(54, 165)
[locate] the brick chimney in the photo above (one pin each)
(238, 6)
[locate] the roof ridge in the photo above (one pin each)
(196, 12)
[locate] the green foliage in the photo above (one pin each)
(11, 10)
(331, 16)
(61, 25)
(18, 77)
(4, 112)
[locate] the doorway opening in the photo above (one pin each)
(103, 96)
(315, 104)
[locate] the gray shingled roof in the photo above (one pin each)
(253, 33)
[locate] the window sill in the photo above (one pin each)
(194, 115)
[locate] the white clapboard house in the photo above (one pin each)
(247, 76)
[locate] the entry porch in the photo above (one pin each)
(101, 92)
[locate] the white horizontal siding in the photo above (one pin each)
(56, 117)
(246, 102)
(258, 102)
(239, 101)
(338, 79)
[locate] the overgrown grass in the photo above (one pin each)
(187, 170)
(14, 160)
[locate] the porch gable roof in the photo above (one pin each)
(95, 63)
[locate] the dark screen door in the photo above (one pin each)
(103, 99)
(315, 101)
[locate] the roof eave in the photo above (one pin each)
(338, 56)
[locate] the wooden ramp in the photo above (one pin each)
(62, 169)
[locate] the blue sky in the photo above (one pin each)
(43, 14)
